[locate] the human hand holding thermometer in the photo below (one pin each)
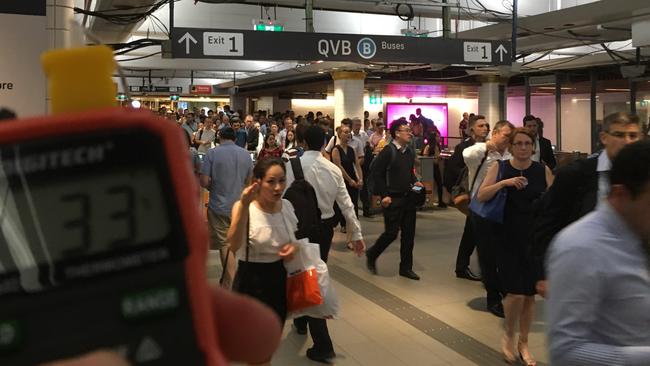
(107, 249)
(102, 247)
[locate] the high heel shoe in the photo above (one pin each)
(507, 349)
(524, 353)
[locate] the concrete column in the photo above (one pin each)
(59, 15)
(348, 94)
(491, 103)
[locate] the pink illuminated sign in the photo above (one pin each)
(437, 112)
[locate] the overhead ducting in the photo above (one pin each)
(406, 9)
(119, 18)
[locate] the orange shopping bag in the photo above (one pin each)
(303, 290)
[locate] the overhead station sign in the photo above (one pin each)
(298, 46)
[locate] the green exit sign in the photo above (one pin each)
(269, 27)
(376, 99)
(419, 35)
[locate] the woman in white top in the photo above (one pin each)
(271, 223)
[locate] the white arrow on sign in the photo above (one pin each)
(187, 37)
(500, 50)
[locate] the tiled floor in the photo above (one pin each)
(368, 334)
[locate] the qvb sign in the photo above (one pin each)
(297, 46)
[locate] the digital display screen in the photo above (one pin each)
(98, 213)
(437, 112)
(82, 207)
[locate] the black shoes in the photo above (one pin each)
(468, 275)
(321, 357)
(442, 205)
(409, 274)
(496, 310)
(371, 264)
(300, 330)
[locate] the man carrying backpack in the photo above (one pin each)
(393, 178)
(478, 130)
(329, 186)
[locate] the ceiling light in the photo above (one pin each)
(321, 72)
(617, 90)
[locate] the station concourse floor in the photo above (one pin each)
(388, 320)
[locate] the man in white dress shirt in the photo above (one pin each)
(479, 158)
(328, 182)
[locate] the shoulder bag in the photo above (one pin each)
(493, 209)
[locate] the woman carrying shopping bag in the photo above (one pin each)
(261, 236)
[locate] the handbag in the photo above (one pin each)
(494, 208)
(461, 191)
(303, 290)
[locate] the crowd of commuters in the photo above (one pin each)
(499, 159)
(577, 234)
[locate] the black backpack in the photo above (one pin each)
(370, 179)
(302, 196)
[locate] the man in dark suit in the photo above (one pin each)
(478, 130)
(579, 186)
(543, 152)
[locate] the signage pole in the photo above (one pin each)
(446, 20)
(309, 16)
(171, 17)
(592, 109)
(513, 53)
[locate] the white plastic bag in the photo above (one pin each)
(329, 309)
(306, 258)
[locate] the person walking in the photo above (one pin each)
(524, 181)
(329, 185)
(395, 181)
(226, 170)
(478, 128)
(261, 235)
(597, 308)
(343, 156)
(479, 158)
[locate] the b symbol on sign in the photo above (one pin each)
(366, 48)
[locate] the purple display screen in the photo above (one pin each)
(437, 112)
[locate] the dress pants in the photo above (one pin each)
(466, 247)
(400, 215)
(364, 193)
(485, 235)
(437, 178)
(318, 327)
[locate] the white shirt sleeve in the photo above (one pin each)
(330, 145)
(473, 156)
